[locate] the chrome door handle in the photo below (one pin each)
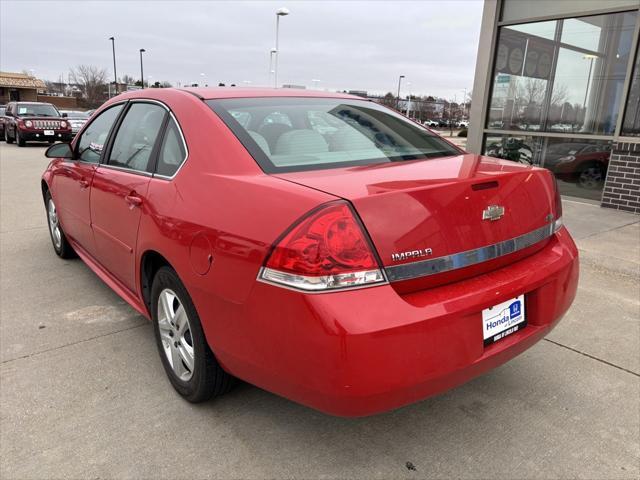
(133, 200)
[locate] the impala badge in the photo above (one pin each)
(493, 213)
(423, 252)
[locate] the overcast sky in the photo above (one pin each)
(345, 44)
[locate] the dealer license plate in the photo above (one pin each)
(49, 132)
(503, 319)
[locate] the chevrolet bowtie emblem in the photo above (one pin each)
(493, 213)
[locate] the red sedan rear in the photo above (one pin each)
(317, 245)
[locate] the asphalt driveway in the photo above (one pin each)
(83, 393)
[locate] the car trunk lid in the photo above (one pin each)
(431, 220)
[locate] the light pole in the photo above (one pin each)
(591, 58)
(464, 105)
(451, 115)
(115, 74)
(398, 98)
(142, 50)
(281, 12)
(272, 52)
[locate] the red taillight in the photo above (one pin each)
(326, 250)
(558, 206)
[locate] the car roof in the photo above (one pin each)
(33, 103)
(212, 93)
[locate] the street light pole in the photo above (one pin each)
(281, 12)
(115, 74)
(142, 50)
(464, 105)
(271, 72)
(398, 99)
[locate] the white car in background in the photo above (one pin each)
(463, 124)
(430, 123)
(76, 119)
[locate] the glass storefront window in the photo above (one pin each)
(631, 124)
(569, 81)
(579, 165)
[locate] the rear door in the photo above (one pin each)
(120, 187)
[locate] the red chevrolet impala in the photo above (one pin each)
(317, 245)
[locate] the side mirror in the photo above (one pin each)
(64, 115)
(59, 150)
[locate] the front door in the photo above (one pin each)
(71, 182)
(72, 179)
(118, 193)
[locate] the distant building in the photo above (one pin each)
(20, 87)
(299, 87)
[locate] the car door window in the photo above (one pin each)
(172, 151)
(136, 137)
(94, 138)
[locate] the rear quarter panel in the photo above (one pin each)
(219, 201)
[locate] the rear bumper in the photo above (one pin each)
(361, 352)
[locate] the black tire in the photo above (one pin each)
(63, 249)
(7, 138)
(208, 379)
(2, 136)
(591, 176)
(19, 140)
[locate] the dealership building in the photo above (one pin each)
(557, 84)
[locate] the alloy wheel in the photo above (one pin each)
(175, 334)
(54, 224)
(590, 178)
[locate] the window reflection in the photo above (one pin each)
(561, 76)
(579, 165)
(631, 125)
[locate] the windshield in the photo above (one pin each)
(294, 134)
(37, 110)
(2, 110)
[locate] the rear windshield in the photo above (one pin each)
(295, 134)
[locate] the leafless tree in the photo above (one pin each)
(128, 80)
(92, 81)
(389, 100)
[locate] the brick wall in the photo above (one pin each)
(622, 187)
(64, 103)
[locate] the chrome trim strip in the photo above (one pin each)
(132, 171)
(455, 261)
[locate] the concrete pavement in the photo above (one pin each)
(83, 393)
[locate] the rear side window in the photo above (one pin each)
(298, 133)
(136, 137)
(93, 139)
(172, 152)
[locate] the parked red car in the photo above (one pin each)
(353, 267)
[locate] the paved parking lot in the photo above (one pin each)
(83, 393)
